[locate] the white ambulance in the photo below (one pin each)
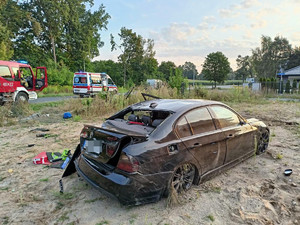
(89, 84)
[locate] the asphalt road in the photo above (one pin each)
(51, 99)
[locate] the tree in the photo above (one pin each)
(166, 68)
(245, 68)
(216, 67)
(272, 53)
(294, 59)
(189, 70)
(114, 69)
(136, 57)
(64, 31)
(6, 48)
(176, 79)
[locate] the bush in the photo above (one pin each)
(56, 89)
(287, 87)
(60, 77)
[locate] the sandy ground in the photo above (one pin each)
(253, 192)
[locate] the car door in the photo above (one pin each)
(239, 135)
(198, 132)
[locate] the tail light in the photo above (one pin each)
(128, 163)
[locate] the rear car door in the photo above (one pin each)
(198, 132)
(239, 135)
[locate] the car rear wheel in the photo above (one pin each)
(183, 178)
(262, 142)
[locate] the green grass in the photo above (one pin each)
(38, 106)
(64, 196)
(63, 217)
(57, 89)
(42, 95)
(94, 200)
(207, 82)
(103, 222)
(76, 118)
(211, 218)
(44, 179)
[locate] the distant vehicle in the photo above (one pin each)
(18, 82)
(250, 80)
(148, 149)
(89, 84)
(155, 83)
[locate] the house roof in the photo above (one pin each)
(293, 71)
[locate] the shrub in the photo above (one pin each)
(287, 87)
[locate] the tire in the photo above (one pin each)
(262, 142)
(183, 178)
(21, 97)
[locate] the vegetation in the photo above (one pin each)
(268, 59)
(216, 67)
(103, 105)
(65, 36)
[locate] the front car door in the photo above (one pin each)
(198, 132)
(239, 135)
(41, 78)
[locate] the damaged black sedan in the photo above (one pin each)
(143, 151)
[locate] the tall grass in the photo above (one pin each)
(106, 104)
(56, 89)
(10, 112)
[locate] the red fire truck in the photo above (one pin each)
(18, 82)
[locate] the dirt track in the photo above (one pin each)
(254, 192)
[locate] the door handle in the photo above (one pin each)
(215, 152)
(195, 145)
(230, 136)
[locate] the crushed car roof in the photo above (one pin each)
(173, 105)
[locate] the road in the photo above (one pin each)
(51, 99)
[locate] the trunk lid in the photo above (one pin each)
(102, 145)
(99, 144)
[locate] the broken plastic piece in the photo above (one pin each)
(288, 172)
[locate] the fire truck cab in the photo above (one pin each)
(18, 82)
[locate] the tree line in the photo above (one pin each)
(65, 35)
(272, 57)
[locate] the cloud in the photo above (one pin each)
(183, 42)
(209, 19)
(259, 24)
(248, 3)
(233, 27)
(228, 13)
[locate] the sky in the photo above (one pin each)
(188, 30)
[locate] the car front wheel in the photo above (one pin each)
(262, 142)
(22, 97)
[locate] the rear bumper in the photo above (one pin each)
(131, 189)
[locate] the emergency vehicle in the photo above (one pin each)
(90, 84)
(18, 82)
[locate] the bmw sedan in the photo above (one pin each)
(147, 149)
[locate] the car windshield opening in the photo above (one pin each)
(138, 121)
